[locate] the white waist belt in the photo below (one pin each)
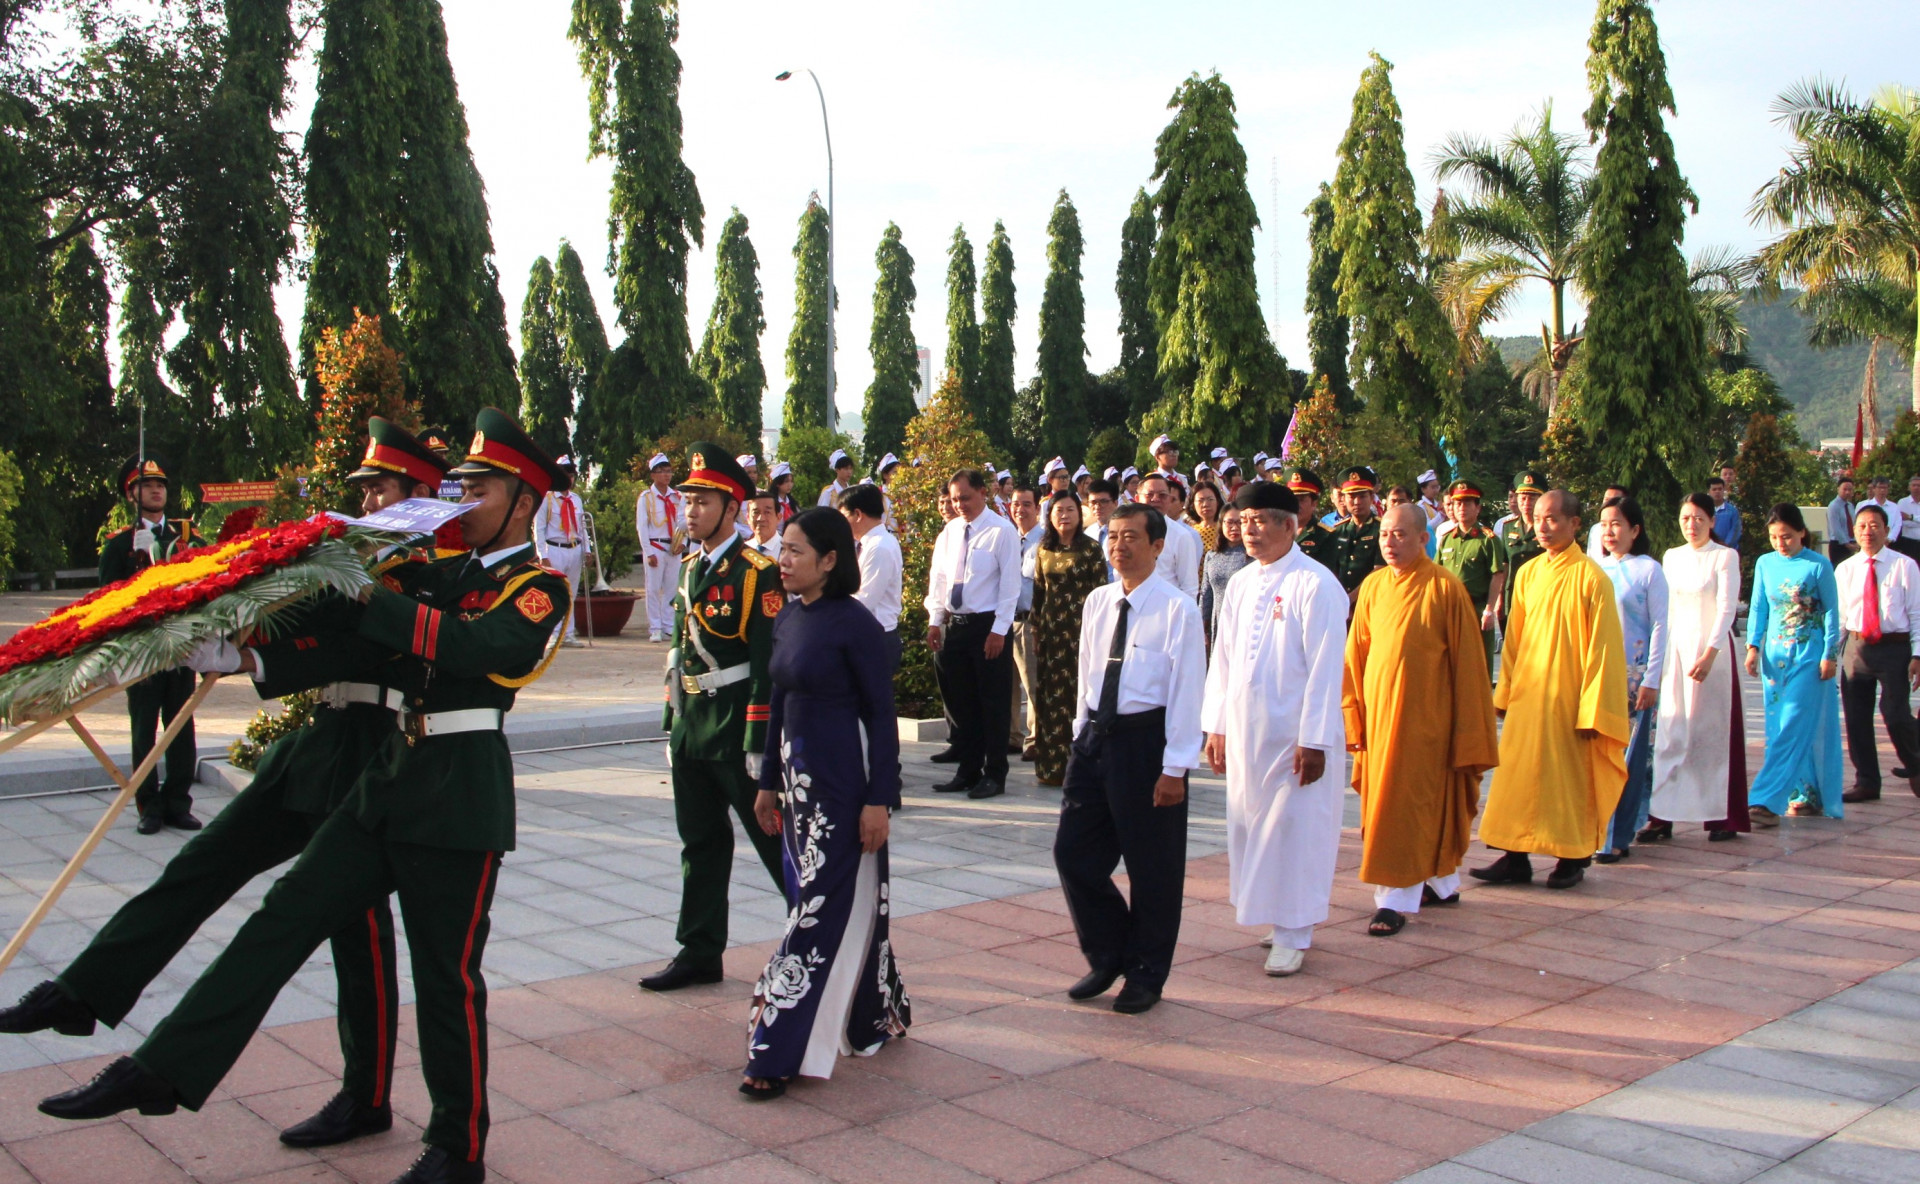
(338, 694)
(446, 723)
(713, 680)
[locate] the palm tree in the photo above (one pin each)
(1718, 278)
(1524, 218)
(1848, 201)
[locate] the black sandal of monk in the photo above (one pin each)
(1385, 923)
(1654, 832)
(1429, 897)
(773, 1088)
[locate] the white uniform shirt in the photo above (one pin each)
(658, 516)
(829, 495)
(981, 563)
(1029, 554)
(548, 530)
(1909, 519)
(1899, 581)
(1180, 558)
(1165, 663)
(880, 567)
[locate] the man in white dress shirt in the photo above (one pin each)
(1273, 720)
(880, 562)
(842, 466)
(968, 617)
(1180, 557)
(1907, 542)
(763, 522)
(1136, 732)
(1878, 587)
(1024, 511)
(659, 520)
(1879, 489)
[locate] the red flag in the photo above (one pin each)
(1859, 434)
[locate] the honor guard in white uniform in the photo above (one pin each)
(842, 466)
(659, 519)
(560, 538)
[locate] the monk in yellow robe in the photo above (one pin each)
(1563, 693)
(1420, 724)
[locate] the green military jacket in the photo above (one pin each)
(1474, 557)
(1319, 542)
(1517, 537)
(725, 609)
(1359, 551)
(116, 554)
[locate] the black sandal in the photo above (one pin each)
(1385, 923)
(1429, 897)
(1612, 856)
(1655, 832)
(774, 1087)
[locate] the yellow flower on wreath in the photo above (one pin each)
(154, 579)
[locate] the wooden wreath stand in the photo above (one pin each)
(128, 783)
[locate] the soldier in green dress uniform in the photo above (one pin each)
(1474, 553)
(1516, 529)
(1316, 538)
(1359, 534)
(299, 780)
(429, 816)
(718, 699)
(155, 700)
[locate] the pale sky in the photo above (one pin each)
(947, 113)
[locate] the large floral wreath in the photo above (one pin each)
(147, 623)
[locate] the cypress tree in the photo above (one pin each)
(1139, 339)
(1643, 392)
(997, 306)
(1326, 324)
(546, 400)
(807, 341)
(1403, 347)
(963, 331)
(1063, 338)
(1221, 375)
(896, 361)
(633, 85)
(729, 358)
(452, 321)
(583, 342)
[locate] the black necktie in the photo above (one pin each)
(1110, 684)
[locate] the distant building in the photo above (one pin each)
(925, 392)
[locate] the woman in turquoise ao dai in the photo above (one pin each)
(1793, 634)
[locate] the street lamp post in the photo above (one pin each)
(833, 409)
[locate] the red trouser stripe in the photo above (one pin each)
(419, 628)
(478, 1096)
(433, 634)
(381, 1064)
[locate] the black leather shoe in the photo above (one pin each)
(344, 1117)
(184, 820)
(1512, 868)
(1028, 755)
(437, 1165)
(1721, 835)
(986, 787)
(47, 1006)
(1567, 873)
(1015, 749)
(149, 824)
(1134, 999)
(1094, 985)
(1857, 794)
(957, 785)
(122, 1085)
(1902, 774)
(946, 756)
(681, 973)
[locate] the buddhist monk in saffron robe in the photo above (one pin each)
(1419, 714)
(1563, 693)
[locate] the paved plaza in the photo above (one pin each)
(1746, 1010)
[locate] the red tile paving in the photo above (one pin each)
(1384, 1057)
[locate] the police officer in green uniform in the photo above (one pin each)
(1359, 534)
(1516, 529)
(1474, 553)
(429, 817)
(1316, 538)
(155, 700)
(718, 698)
(299, 780)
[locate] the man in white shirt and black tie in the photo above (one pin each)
(864, 508)
(968, 616)
(1143, 669)
(1878, 587)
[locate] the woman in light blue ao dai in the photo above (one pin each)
(1793, 636)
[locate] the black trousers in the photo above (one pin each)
(707, 796)
(1107, 815)
(1864, 670)
(978, 691)
(151, 705)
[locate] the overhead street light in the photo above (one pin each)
(833, 410)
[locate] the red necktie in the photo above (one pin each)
(569, 518)
(1870, 625)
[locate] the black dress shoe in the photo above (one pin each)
(1857, 794)
(1094, 985)
(437, 1165)
(957, 785)
(681, 973)
(1512, 868)
(1611, 856)
(1655, 832)
(1015, 749)
(946, 756)
(47, 1006)
(986, 787)
(1134, 999)
(1028, 755)
(184, 820)
(344, 1117)
(149, 824)
(1902, 774)
(1567, 873)
(122, 1085)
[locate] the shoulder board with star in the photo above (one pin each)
(116, 534)
(756, 558)
(689, 557)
